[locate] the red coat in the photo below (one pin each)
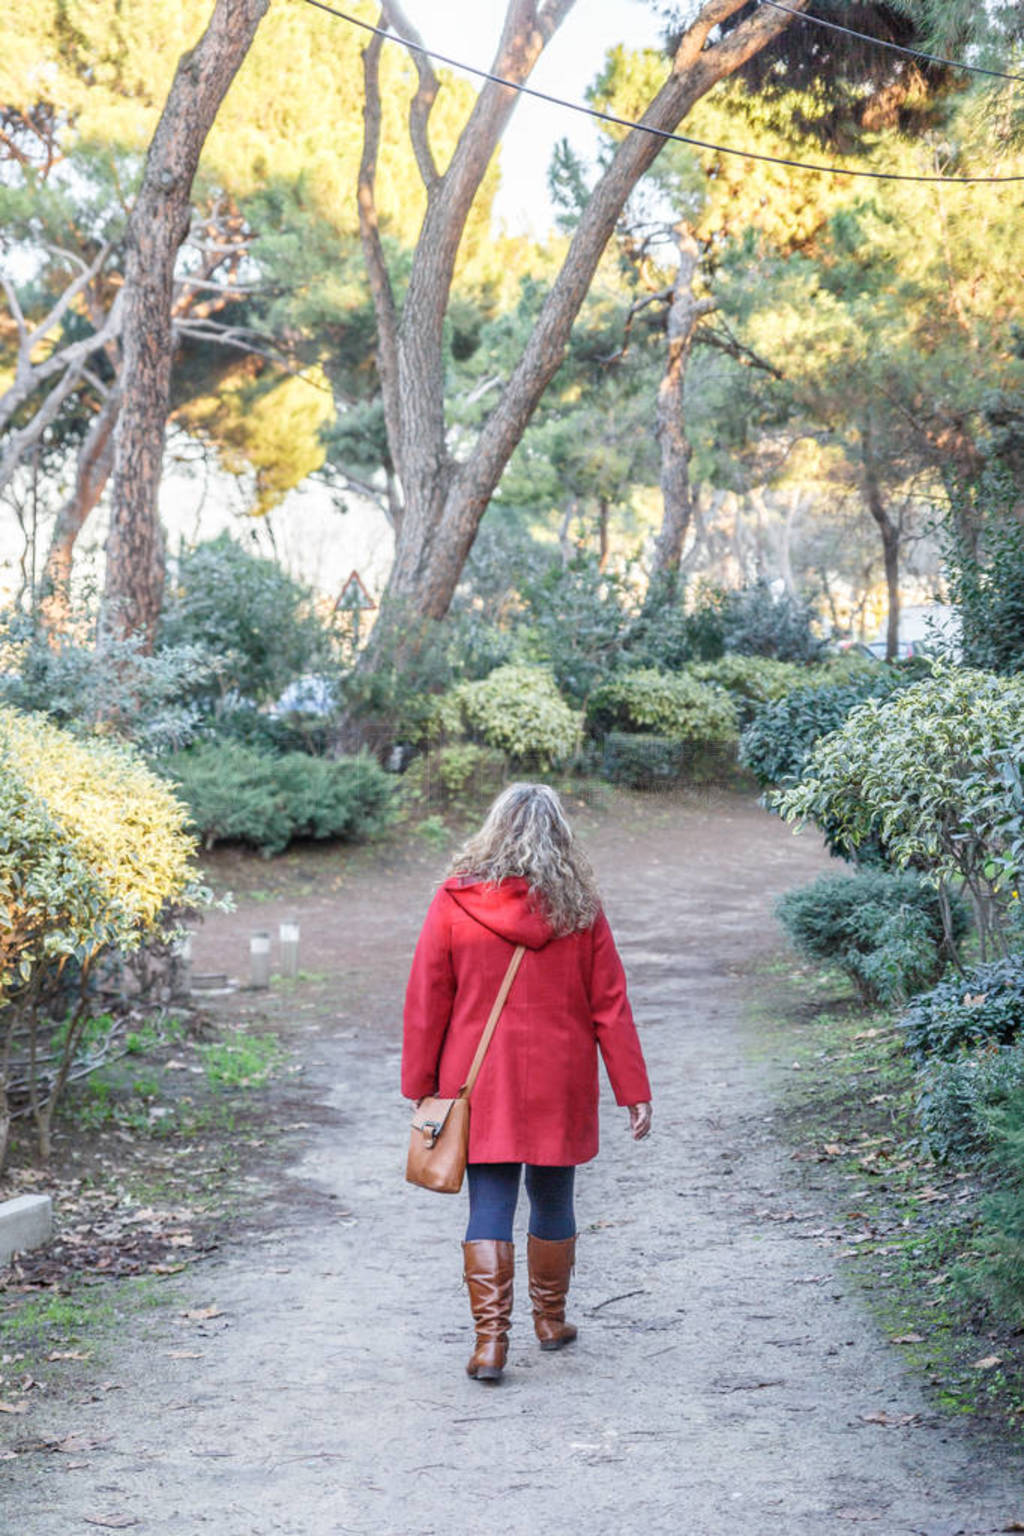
(535, 1100)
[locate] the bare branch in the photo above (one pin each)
(71, 292)
(18, 443)
(724, 340)
(422, 103)
(29, 377)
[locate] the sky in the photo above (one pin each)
(469, 30)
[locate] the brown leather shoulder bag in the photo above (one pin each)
(439, 1137)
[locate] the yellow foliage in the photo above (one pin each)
(275, 432)
(122, 823)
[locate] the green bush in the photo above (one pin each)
(756, 622)
(456, 774)
(996, 1272)
(673, 705)
(985, 1007)
(751, 680)
(987, 589)
(249, 612)
(235, 794)
(933, 774)
(643, 762)
(959, 1098)
(884, 930)
(778, 740)
(518, 710)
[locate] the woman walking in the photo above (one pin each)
(521, 880)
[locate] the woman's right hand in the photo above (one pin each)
(640, 1120)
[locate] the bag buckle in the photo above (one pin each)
(431, 1130)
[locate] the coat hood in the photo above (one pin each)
(507, 909)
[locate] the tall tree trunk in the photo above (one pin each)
(95, 462)
(444, 499)
(684, 315)
(890, 532)
(158, 224)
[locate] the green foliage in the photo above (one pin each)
(997, 1273)
(756, 622)
(932, 773)
(576, 624)
(885, 931)
(751, 680)
(642, 761)
(249, 612)
(987, 589)
(149, 700)
(780, 736)
(518, 710)
(457, 774)
(235, 794)
(668, 633)
(985, 1007)
(959, 1098)
(676, 706)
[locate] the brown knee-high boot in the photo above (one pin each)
(489, 1268)
(550, 1265)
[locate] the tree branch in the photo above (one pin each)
(19, 442)
(422, 103)
(28, 379)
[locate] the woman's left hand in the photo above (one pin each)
(640, 1120)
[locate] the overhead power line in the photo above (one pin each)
(881, 42)
(660, 133)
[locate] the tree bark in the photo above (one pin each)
(444, 499)
(890, 533)
(684, 315)
(156, 229)
(95, 462)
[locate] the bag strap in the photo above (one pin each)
(492, 1023)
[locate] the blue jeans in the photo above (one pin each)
(494, 1192)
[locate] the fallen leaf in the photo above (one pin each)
(986, 1362)
(907, 1338)
(1014, 1525)
(833, 1149)
(183, 1354)
(896, 1420)
(975, 999)
(74, 1444)
(111, 1522)
(13, 1407)
(201, 1314)
(67, 1354)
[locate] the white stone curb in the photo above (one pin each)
(25, 1222)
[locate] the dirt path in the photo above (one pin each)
(724, 1380)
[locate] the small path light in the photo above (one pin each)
(288, 932)
(259, 961)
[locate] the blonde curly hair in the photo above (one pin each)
(527, 833)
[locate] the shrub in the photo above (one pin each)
(93, 848)
(780, 735)
(235, 794)
(454, 775)
(933, 773)
(668, 635)
(673, 705)
(756, 622)
(643, 762)
(249, 612)
(983, 1008)
(518, 710)
(149, 700)
(750, 680)
(987, 589)
(959, 1098)
(997, 1273)
(884, 930)
(576, 623)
